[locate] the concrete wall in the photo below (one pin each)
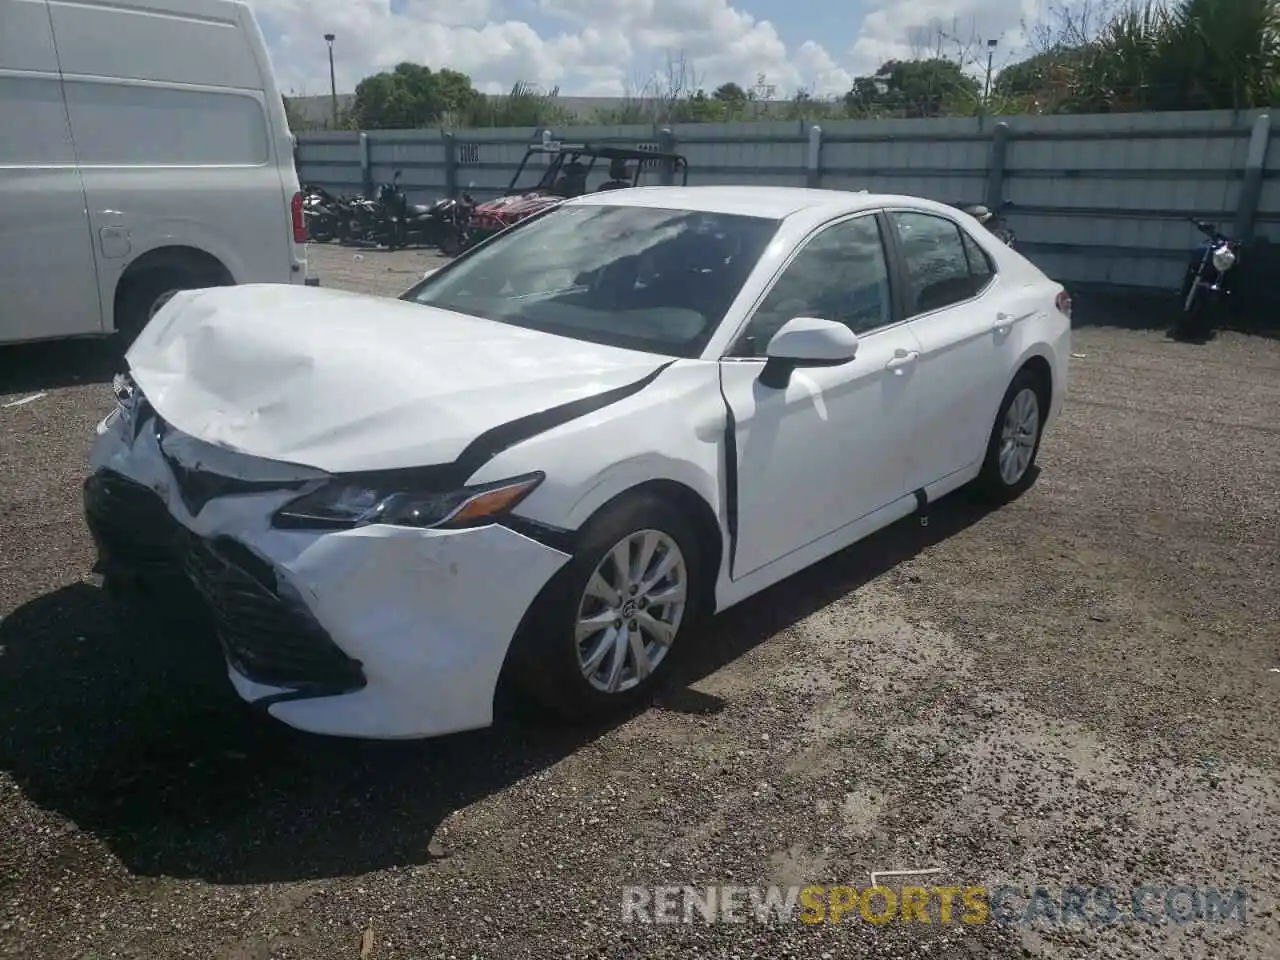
(1095, 198)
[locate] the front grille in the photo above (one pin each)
(130, 524)
(269, 638)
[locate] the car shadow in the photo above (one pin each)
(132, 732)
(30, 367)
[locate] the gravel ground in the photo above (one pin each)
(1079, 688)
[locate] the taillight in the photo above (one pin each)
(1063, 303)
(299, 225)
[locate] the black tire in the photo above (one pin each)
(544, 661)
(991, 485)
(451, 242)
(139, 295)
(1194, 325)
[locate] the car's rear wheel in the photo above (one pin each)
(1009, 467)
(601, 637)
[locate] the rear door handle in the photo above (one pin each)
(902, 360)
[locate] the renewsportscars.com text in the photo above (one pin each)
(1072, 905)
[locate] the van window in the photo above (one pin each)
(34, 122)
(128, 124)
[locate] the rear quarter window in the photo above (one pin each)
(142, 125)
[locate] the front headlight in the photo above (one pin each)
(347, 502)
(1224, 259)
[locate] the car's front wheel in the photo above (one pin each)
(602, 635)
(1009, 467)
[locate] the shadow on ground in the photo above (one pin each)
(134, 734)
(1095, 306)
(29, 367)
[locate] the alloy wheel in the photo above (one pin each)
(631, 610)
(1018, 435)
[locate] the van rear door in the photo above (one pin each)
(48, 284)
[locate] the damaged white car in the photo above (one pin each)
(553, 455)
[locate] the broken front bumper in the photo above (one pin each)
(379, 632)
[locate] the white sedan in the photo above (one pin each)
(557, 453)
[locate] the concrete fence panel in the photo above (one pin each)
(1099, 198)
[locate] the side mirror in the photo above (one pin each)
(806, 342)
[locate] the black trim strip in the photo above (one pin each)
(922, 499)
(730, 474)
(506, 435)
(454, 475)
(899, 281)
(557, 538)
(302, 693)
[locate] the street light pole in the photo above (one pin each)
(333, 84)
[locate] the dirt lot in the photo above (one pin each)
(1081, 688)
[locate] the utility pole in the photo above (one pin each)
(991, 55)
(333, 84)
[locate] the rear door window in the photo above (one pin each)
(944, 265)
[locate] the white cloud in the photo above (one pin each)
(958, 29)
(596, 47)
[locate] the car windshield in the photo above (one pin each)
(639, 277)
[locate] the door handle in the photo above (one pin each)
(1005, 321)
(902, 360)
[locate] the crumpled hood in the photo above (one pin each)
(347, 382)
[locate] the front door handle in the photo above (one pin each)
(902, 360)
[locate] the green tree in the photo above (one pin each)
(730, 93)
(412, 96)
(1189, 55)
(914, 88)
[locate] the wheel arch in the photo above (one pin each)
(169, 257)
(1039, 367)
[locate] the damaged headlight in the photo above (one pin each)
(347, 502)
(126, 395)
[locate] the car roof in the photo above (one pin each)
(774, 203)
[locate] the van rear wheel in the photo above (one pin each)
(143, 296)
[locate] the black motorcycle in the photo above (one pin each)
(1209, 281)
(993, 221)
(322, 214)
(455, 231)
(363, 221)
(442, 224)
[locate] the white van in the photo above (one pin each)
(144, 149)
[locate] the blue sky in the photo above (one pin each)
(611, 47)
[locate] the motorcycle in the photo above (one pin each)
(321, 212)
(361, 223)
(993, 221)
(442, 224)
(455, 231)
(1210, 277)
